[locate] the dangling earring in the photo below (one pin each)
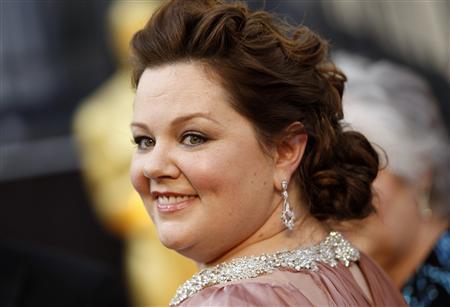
(287, 215)
(424, 205)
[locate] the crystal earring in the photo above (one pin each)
(287, 215)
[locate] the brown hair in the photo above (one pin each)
(275, 75)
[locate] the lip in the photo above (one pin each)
(173, 206)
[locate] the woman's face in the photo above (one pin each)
(391, 232)
(203, 176)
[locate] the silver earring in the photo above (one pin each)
(424, 205)
(287, 215)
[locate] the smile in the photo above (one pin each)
(170, 200)
(173, 203)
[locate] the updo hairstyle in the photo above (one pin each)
(275, 75)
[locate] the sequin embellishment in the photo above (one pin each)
(333, 249)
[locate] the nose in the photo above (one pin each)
(159, 163)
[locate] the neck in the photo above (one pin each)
(273, 237)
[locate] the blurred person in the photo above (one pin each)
(101, 128)
(241, 160)
(408, 236)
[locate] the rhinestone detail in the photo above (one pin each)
(333, 249)
(287, 215)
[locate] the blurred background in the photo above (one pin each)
(65, 105)
(53, 54)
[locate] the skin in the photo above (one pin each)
(398, 237)
(190, 141)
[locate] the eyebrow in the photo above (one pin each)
(181, 119)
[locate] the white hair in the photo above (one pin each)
(395, 110)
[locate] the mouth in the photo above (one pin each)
(167, 203)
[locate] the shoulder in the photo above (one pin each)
(327, 286)
(249, 293)
(381, 286)
(373, 273)
(280, 288)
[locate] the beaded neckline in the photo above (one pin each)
(333, 249)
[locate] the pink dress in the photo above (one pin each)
(328, 286)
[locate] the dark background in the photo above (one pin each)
(54, 213)
(53, 54)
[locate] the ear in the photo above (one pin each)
(425, 181)
(289, 152)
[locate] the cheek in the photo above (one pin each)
(398, 221)
(228, 178)
(204, 171)
(219, 170)
(138, 180)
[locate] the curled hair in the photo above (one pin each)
(275, 75)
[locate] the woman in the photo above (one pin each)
(409, 236)
(240, 152)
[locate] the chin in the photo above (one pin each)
(186, 248)
(197, 255)
(171, 242)
(173, 239)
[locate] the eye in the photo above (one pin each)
(193, 139)
(143, 142)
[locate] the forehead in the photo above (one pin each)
(181, 85)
